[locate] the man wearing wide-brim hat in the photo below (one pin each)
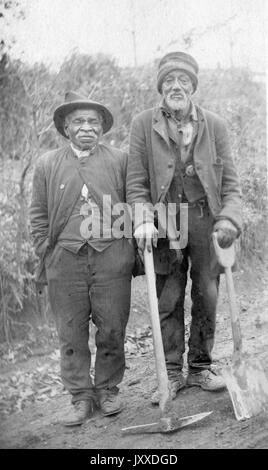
(87, 266)
(180, 154)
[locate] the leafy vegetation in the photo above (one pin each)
(29, 96)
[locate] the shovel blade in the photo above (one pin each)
(166, 425)
(247, 385)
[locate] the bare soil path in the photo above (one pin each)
(34, 423)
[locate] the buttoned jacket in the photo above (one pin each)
(57, 185)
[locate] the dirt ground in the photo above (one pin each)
(37, 425)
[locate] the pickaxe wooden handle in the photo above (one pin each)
(161, 370)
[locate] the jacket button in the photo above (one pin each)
(162, 188)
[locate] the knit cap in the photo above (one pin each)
(177, 61)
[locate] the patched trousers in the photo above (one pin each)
(204, 273)
(97, 285)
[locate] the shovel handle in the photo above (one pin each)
(160, 363)
(235, 323)
(226, 258)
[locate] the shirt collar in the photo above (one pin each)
(82, 153)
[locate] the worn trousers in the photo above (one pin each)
(91, 285)
(171, 287)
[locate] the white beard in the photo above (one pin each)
(176, 105)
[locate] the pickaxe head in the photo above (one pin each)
(166, 424)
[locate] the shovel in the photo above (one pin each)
(245, 379)
(168, 421)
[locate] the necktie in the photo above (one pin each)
(87, 152)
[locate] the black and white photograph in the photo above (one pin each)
(133, 228)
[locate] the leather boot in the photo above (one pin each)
(80, 411)
(109, 402)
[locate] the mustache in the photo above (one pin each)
(172, 93)
(92, 131)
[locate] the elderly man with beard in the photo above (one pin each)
(88, 272)
(180, 153)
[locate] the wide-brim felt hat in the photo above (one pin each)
(75, 101)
